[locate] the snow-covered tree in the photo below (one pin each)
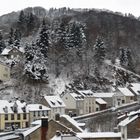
(21, 23)
(100, 51)
(58, 41)
(43, 40)
(75, 36)
(126, 59)
(122, 57)
(2, 44)
(17, 39)
(11, 37)
(35, 64)
(130, 64)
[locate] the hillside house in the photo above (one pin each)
(12, 53)
(55, 103)
(4, 72)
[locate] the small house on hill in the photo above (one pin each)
(12, 53)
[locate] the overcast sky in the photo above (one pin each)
(124, 6)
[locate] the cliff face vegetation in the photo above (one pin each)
(74, 48)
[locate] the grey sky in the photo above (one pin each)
(124, 6)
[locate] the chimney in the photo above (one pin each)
(44, 128)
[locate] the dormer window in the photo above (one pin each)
(59, 102)
(40, 107)
(24, 109)
(5, 109)
(52, 102)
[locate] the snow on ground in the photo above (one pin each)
(58, 84)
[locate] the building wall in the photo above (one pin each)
(133, 129)
(89, 105)
(129, 99)
(109, 101)
(101, 138)
(119, 100)
(4, 73)
(8, 123)
(35, 115)
(69, 101)
(54, 110)
(36, 135)
(15, 53)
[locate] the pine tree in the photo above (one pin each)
(130, 64)
(100, 51)
(76, 36)
(11, 37)
(122, 57)
(2, 44)
(21, 23)
(17, 38)
(43, 41)
(35, 64)
(31, 23)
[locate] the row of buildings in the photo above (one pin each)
(18, 114)
(65, 128)
(82, 102)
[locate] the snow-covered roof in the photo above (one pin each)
(128, 120)
(37, 122)
(71, 120)
(126, 91)
(86, 93)
(37, 107)
(5, 51)
(30, 130)
(100, 101)
(65, 137)
(54, 101)
(136, 88)
(8, 136)
(99, 135)
(104, 95)
(6, 107)
(77, 96)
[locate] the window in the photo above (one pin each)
(38, 113)
(43, 114)
(131, 98)
(12, 116)
(123, 101)
(18, 116)
(34, 114)
(6, 116)
(46, 113)
(24, 116)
